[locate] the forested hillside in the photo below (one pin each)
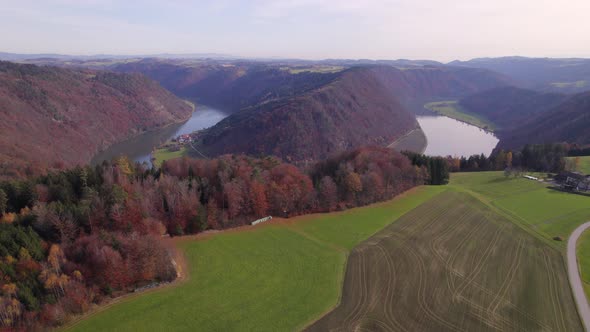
(74, 238)
(54, 117)
(565, 75)
(509, 107)
(360, 105)
(236, 85)
(568, 122)
(353, 110)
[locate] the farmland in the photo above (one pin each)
(453, 110)
(284, 275)
(444, 267)
(273, 277)
(544, 212)
(162, 154)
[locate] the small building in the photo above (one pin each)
(573, 181)
(183, 139)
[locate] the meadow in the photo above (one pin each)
(454, 264)
(584, 166)
(162, 154)
(286, 274)
(278, 276)
(452, 109)
(544, 212)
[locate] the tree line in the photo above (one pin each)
(74, 238)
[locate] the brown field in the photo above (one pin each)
(453, 265)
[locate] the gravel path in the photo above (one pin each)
(574, 276)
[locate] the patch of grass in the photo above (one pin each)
(584, 165)
(565, 85)
(454, 264)
(546, 212)
(313, 69)
(273, 277)
(453, 110)
(163, 154)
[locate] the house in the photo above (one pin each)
(183, 139)
(573, 181)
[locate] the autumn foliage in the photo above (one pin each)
(79, 236)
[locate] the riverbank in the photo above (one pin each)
(451, 109)
(140, 148)
(414, 141)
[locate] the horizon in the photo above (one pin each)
(300, 29)
(233, 57)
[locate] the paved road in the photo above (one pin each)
(574, 276)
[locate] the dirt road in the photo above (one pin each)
(574, 276)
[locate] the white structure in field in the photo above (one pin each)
(255, 222)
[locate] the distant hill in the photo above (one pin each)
(509, 107)
(53, 117)
(568, 122)
(568, 75)
(230, 87)
(236, 85)
(357, 106)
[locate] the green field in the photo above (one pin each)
(453, 264)
(565, 85)
(163, 154)
(275, 277)
(452, 109)
(283, 275)
(584, 166)
(544, 212)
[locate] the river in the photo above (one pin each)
(140, 147)
(448, 136)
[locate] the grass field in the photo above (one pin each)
(545, 212)
(565, 85)
(454, 265)
(584, 164)
(273, 277)
(165, 154)
(481, 257)
(453, 110)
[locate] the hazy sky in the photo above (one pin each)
(314, 29)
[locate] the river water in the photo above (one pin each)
(448, 136)
(445, 136)
(140, 147)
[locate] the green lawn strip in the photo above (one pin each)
(164, 154)
(452, 109)
(583, 254)
(584, 166)
(276, 277)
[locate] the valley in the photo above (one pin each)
(294, 140)
(294, 165)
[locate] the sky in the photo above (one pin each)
(441, 30)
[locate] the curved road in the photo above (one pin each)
(574, 276)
